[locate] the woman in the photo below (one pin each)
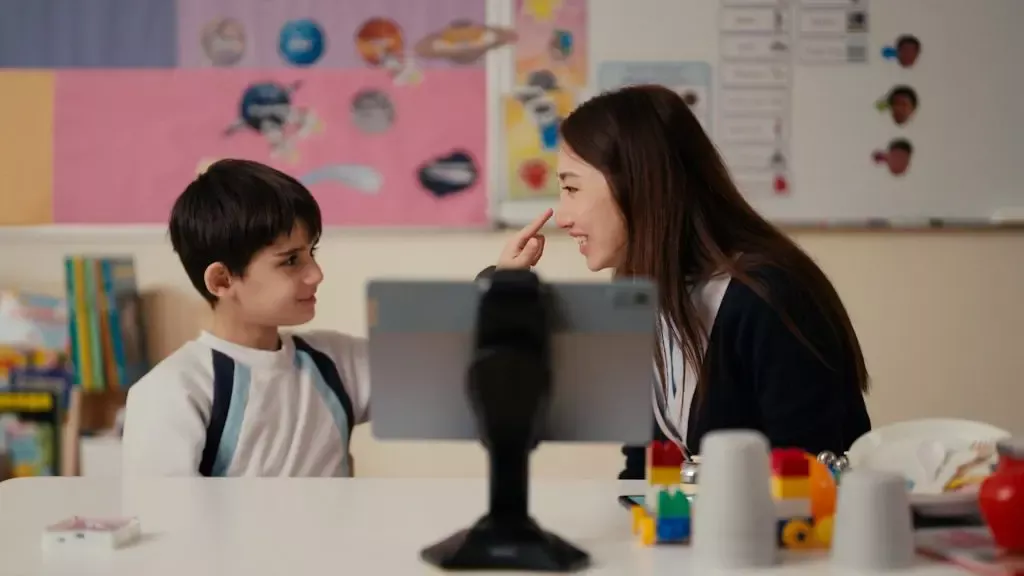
(753, 335)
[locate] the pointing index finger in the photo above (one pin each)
(532, 228)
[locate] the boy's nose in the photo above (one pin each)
(316, 275)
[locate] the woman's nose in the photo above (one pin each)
(563, 219)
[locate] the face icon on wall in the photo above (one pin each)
(223, 41)
(908, 49)
(896, 157)
(902, 103)
(905, 51)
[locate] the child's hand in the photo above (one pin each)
(526, 247)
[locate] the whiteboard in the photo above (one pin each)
(814, 115)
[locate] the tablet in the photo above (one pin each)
(421, 340)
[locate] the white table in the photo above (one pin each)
(275, 527)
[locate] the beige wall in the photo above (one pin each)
(939, 315)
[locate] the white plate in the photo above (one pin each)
(893, 449)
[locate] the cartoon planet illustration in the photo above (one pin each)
(448, 174)
(301, 42)
(223, 41)
(379, 41)
(463, 42)
(372, 111)
(265, 105)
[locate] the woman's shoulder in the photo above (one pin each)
(768, 302)
(764, 289)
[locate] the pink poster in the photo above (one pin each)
(374, 152)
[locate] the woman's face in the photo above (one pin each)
(588, 211)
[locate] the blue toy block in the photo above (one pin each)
(673, 529)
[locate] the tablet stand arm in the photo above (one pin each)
(509, 387)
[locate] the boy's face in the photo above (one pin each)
(279, 286)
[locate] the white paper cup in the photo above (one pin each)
(873, 525)
(734, 525)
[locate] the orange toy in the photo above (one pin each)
(823, 489)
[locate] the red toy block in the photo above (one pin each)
(790, 462)
(664, 454)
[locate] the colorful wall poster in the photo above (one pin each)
(379, 106)
(372, 153)
(691, 80)
(532, 116)
(553, 38)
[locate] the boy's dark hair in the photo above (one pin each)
(232, 211)
(902, 144)
(908, 40)
(907, 91)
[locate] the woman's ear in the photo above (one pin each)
(217, 278)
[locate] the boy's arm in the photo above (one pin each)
(350, 354)
(164, 429)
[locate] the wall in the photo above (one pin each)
(939, 315)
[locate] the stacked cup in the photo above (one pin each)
(734, 524)
(874, 527)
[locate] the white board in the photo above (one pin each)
(966, 133)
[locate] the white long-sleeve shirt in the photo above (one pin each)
(282, 418)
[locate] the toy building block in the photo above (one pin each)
(790, 474)
(673, 530)
(665, 520)
(673, 504)
(663, 476)
(664, 463)
(786, 488)
(648, 531)
(790, 462)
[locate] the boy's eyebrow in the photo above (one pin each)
(567, 174)
(288, 252)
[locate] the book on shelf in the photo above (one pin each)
(30, 432)
(107, 333)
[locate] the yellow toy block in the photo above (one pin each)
(664, 475)
(785, 488)
(648, 532)
(639, 514)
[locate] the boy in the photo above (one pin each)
(244, 399)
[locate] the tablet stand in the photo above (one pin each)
(509, 386)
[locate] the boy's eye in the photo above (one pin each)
(291, 260)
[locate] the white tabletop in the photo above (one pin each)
(274, 527)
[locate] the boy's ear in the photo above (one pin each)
(217, 278)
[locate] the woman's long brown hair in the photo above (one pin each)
(686, 220)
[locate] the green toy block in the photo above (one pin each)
(673, 505)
